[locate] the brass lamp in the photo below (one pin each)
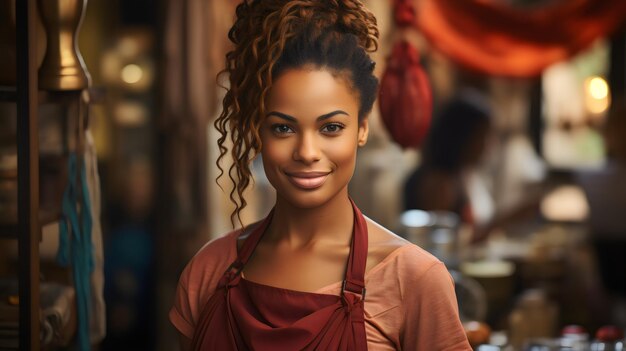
(63, 67)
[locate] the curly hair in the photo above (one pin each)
(271, 36)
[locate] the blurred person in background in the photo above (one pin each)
(454, 148)
(448, 177)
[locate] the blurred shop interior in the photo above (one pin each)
(502, 152)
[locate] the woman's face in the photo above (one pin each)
(310, 136)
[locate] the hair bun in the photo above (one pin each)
(291, 16)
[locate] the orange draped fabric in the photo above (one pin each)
(498, 39)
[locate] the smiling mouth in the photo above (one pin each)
(307, 180)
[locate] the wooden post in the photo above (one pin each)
(535, 116)
(617, 67)
(28, 175)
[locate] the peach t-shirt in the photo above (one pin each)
(410, 302)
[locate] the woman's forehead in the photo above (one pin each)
(311, 90)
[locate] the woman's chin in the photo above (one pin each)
(307, 199)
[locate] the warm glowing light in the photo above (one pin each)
(598, 88)
(132, 73)
(597, 97)
(565, 203)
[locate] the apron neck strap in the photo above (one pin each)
(250, 243)
(354, 281)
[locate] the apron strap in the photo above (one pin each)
(246, 251)
(355, 271)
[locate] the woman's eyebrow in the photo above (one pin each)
(320, 118)
(331, 114)
(283, 116)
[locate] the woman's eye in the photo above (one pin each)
(332, 128)
(281, 129)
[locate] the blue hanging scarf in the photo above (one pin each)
(76, 220)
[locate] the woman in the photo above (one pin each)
(315, 274)
(453, 152)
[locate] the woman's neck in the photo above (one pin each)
(297, 227)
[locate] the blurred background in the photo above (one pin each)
(503, 153)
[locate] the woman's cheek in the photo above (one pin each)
(343, 153)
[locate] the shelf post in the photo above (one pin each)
(28, 175)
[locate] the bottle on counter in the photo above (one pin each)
(533, 321)
(608, 338)
(575, 338)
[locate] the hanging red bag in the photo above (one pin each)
(405, 98)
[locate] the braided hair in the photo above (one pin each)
(273, 36)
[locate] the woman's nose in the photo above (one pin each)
(307, 150)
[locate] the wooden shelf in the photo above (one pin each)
(49, 164)
(9, 94)
(96, 95)
(8, 229)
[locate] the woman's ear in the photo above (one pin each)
(363, 131)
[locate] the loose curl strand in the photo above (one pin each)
(262, 30)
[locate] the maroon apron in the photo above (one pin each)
(243, 315)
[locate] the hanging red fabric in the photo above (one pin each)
(244, 315)
(497, 39)
(405, 98)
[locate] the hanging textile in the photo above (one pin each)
(80, 233)
(497, 39)
(75, 245)
(405, 97)
(97, 315)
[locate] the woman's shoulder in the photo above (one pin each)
(388, 249)
(414, 268)
(211, 260)
(218, 248)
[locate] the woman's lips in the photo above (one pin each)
(307, 180)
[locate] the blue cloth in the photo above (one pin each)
(75, 246)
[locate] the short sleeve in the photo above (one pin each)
(181, 312)
(431, 313)
(199, 280)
